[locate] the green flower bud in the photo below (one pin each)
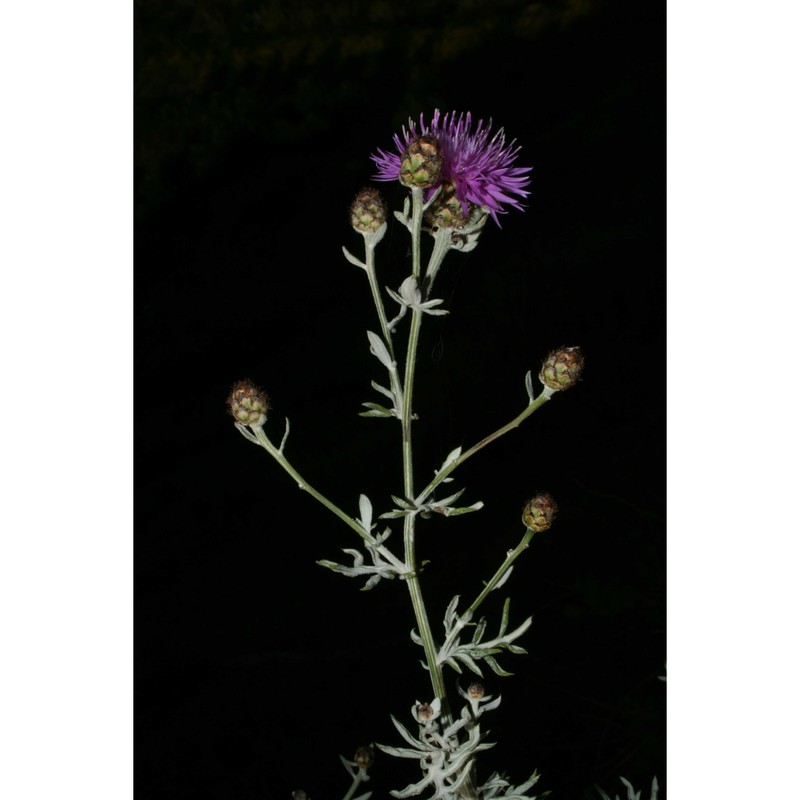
(368, 211)
(539, 512)
(421, 163)
(364, 757)
(446, 210)
(248, 404)
(562, 368)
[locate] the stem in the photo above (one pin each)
(414, 588)
(511, 557)
(416, 230)
(361, 775)
(305, 486)
(387, 334)
(516, 422)
(376, 296)
(409, 531)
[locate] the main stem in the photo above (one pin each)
(414, 588)
(417, 601)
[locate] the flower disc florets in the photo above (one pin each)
(477, 163)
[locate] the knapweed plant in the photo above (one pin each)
(458, 176)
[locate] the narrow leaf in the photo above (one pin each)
(352, 259)
(383, 390)
(529, 387)
(378, 349)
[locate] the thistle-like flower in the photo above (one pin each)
(476, 163)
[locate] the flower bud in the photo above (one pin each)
(248, 404)
(364, 757)
(421, 163)
(539, 512)
(476, 690)
(368, 211)
(446, 210)
(425, 712)
(562, 368)
(299, 794)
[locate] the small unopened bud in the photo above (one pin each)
(421, 163)
(299, 794)
(476, 690)
(364, 757)
(539, 512)
(368, 211)
(248, 404)
(562, 368)
(424, 712)
(446, 211)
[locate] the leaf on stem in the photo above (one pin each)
(352, 259)
(379, 350)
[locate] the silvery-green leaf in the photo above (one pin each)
(405, 733)
(452, 456)
(505, 577)
(378, 349)
(413, 789)
(352, 259)
(403, 503)
(409, 291)
(383, 390)
(416, 638)
(371, 583)
(330, 565)
(495, 667)
(448, 500)
(450, 613)
(479, 630)
(358, 559)
(348, 765)
(469, 662)
(504, 619)
(456, 512)
(523, 787)
(376, 410)
(491, 706)
(454, 665)
(396, 297)
(400, 752)
(365, 509)
(394, 514)
(517, 632)
(529, 386)
(245, 431)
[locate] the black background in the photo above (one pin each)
(254, 667)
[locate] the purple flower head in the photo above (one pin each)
(477, 163)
